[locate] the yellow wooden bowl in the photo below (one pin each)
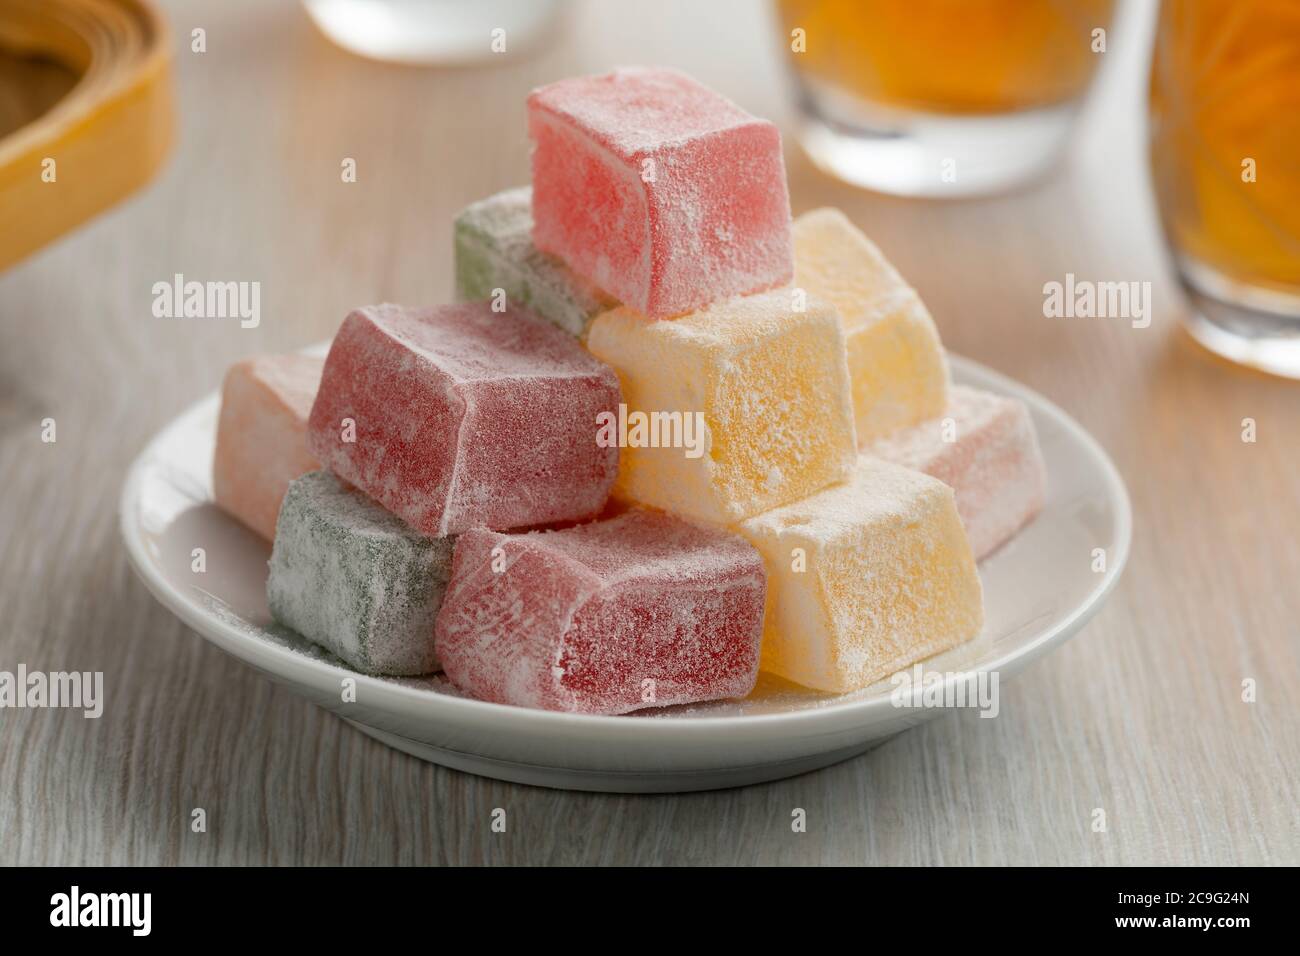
(86, 112)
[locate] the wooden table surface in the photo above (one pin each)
(1140, 715)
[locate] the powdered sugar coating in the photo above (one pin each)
(896, 364)
(642, 610)
(262, 435)
(664, 194)
(772, 386)
(638, 109)
(356, 579)
(465, 417)
(865, 578)
(494, 250)
(993, 463)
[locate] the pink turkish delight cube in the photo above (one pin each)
(985, 449)
(456, 416)
(663, 193)
(262, 436)
(641, 610)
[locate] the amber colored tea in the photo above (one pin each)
(1225, 137)
(950, 56)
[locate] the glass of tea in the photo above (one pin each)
(1225, 164)
(940, 97)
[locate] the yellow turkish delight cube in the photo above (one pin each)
(766, 378)
(865, 578)
(896, 364)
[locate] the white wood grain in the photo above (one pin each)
(1140, 715)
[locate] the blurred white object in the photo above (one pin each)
(433, 31)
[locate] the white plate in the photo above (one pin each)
(1039, 590)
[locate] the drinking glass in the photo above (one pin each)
(1225, 164)
(940, 97)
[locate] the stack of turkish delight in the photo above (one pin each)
(666, 437)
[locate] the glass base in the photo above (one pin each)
(908, 153)
(431, 31)
(1245, 324)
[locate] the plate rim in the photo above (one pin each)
(386, 695)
